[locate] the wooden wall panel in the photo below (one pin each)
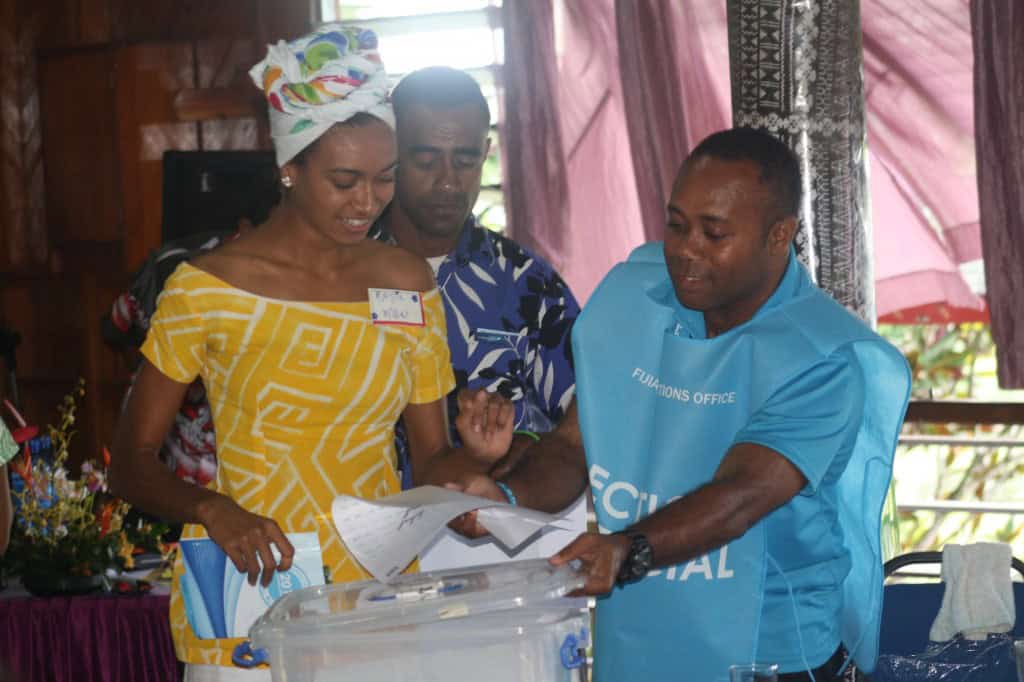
(80, 147)
(74, 24)
(23, 236)
(71, 23)
(287, 19)
(224, 65)
(38, 308)
(93, 97)
(148, 79)
(161, 20)
(58, 320)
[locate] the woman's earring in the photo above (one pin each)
(286, 180)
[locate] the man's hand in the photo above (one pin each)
(600, 555)
(480, 486)
(485, 423)
(245, 537)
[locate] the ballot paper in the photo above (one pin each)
(450, 550)
(385, 535)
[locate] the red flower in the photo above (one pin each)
(104, 517)
(23, 466)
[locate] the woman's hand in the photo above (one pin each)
(246, 538)
(485, 424)
(478, 485)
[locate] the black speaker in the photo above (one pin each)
(212, 190)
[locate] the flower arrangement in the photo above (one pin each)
(68, 530)
(144, 536)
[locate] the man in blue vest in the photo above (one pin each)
(736, 427)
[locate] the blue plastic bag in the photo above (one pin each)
(958, 660)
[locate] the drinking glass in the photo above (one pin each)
(754, 672)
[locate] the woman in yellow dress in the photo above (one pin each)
(306, 375)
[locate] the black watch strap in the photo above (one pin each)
(639, 559)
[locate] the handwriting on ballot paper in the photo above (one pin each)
(396, 306)
(683, 394)
(410, 517)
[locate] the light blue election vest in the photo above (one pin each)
(658, 411)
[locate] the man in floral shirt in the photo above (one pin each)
(509, 314)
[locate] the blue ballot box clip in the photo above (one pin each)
(244, 656)
(573, 651)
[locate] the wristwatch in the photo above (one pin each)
(639, 559)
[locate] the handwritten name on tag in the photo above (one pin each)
(396, 306)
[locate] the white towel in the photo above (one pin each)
(979, 595)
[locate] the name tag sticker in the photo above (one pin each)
(396, 306)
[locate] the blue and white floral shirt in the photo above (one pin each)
(509, 317)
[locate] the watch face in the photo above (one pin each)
(639, 560)
(645, 556)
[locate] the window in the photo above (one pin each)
(463, 34)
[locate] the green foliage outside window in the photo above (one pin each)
(956, 362)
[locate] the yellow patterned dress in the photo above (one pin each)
(304, 398)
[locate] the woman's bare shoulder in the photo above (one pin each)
(233, 261)
(397, 268)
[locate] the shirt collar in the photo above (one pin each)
(789, 285)
(469, 241)
(691, 322)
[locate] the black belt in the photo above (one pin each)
(826, 672)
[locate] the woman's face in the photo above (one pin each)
(345, 180)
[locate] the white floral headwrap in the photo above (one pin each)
(323, 78)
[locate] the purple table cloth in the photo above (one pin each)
(87, 639)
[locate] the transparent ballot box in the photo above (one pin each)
(508, 622)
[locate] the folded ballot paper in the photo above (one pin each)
(386, 534)
(220, 602)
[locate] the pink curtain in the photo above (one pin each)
(563, 117)
(998, 30)
(643, 43)
(535, 186)
(917, 72)
(622, 131)
(604, 214)
(621, 138)
(671, 97)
